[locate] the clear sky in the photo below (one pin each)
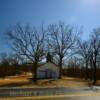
(75, 12)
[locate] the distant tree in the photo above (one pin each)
(62, 40)
(83, 50)
(4, 59)
(28, 43)
(8, 64)
(95, 51)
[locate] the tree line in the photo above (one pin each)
(32, 44)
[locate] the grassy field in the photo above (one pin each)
(14, 81)
(24, 81)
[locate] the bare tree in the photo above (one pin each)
(28, 43)
(62, 39)
(83, 50)
(4, 59)
(95, 51)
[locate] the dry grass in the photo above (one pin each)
(98, 83)
(24, 81)
(64, 82)
(14, 81)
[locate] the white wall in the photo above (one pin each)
(48, 66)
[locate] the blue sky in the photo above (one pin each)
(84, 13)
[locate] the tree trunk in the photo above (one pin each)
(87, 75)
(60, 68)
(94, 72)
(91, 71)
(35, 72)
(95, 67)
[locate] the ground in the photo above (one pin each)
(61, 89)
(24, 81)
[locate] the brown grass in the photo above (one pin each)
(24, 81)
(64, 82)
(14, 81)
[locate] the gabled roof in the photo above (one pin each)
(49, 62)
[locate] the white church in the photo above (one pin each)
(49, 70)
